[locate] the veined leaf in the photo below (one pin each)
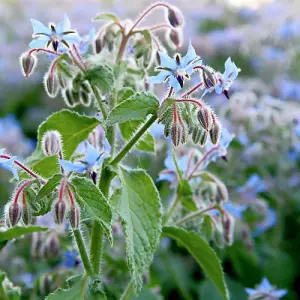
(203, 253)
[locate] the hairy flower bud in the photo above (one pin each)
(52, 246)
(60, 209)
(14, 213)
(28, 63)
(51, 84)
(36, 243)
(174, 17)
(209, 77)
(85, 98)
(203, 137)
(74, 216)
(205, 118)
(215, 132)
(67, 95)
(26, 215)
(85, 86)
(62, 80)
(51, 143)
(45, 285)
(175, 37)
(228, 226)
(176, 134)
(98, 45)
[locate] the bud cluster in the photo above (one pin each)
(143, 51)
(189, 117)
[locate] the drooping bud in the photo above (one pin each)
(14, 213)
(184, 134)
(76, 96)
(174, 17)
(215, 132)
(85, 98)
(60, 209)
(28, 63)
(205, 118)
(98, 45)
(175, 37)
(74, 216)
(26, 215)
(209, 77)
(45, 284)
(52, 246)
(62, 80)
(67, 95)
(36, 244)
(51, 84)
(196, 134)
(228, 226)
(176, 134)
(203, 137)
(51, 143)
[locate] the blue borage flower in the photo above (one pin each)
(92, 160)
(53, 35)
(8, 164)
(265, 289)
(220, 83)
(176, 69)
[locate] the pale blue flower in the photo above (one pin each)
(86, 41)
(54, 34)
(226, 79)
(8, 164)
(92, 160)
(255, 184)
(269, 221)
(236, 210)
(265, 291)
(176, 69)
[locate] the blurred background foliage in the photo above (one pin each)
(263, 169)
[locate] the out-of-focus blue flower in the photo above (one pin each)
(8, 164)
(176, 69)
(264, 290)
(92, 160)
(54, 34)
(255, 184)
(27, 278)
(70, 260)
(170, 173)
(234, 209)
(268, 222)
(227, 78)
(86, 41)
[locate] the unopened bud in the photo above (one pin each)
(51, 84)
(45, 285)
(167, 130)
(176, 134)
(14, 213)
(26, 215)
(184, 134)
(208, 77)
(76, 96)
(98, 45)
(174, 17)
(67, 95)
(196, 134)
(215, 132)
(85, 98)
(51, 143)
(52, 246)
(36, 244)
(60, 209)
(28, 63)
(158, 58)
(74, 216)
(175, 37)
(62, 80)
(203, 137)
(205, 118)
(228, 226)
(85, 86)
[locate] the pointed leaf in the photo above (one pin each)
(106, 16)
(203, 253)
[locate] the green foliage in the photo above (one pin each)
(138, 205)
(185, 193)
(94, 204)
(203, 253)
(137, 107)
(102, 77)
(106, 16)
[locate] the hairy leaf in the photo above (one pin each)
(203, 253)
(106, 16)
(139, 207)
(137, 107)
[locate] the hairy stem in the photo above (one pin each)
(100, 102)
(133, 140)
(173, 206)
(82, 251)
(127, 292)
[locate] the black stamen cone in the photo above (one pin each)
(224, 157)
(180, 80)
(226, 93)
(55, 45)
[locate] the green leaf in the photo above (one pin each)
(185, 193)
(106, 16)
(146, 143)
(95, 205)
(102, 77)
(124, 94)
(137, 107)
(17, 232)
(203, 253)
(138, 205)
(74, 129)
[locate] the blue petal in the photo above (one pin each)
(250, 291)
(168, 176)
(218, 89)
(72, 38)
(68, 166)
(39, 27)
(159, 78)
(106, 146)
(64, 25)
(9, 166)
(2, 151)
(190, 56)
(92, 155)
(174, 83)
(166, 61)
(226, 138)
(265, 285)
(39, 42)
(279, 293)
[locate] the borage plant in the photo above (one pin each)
(76, 172)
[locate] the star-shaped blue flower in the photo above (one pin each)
(8, 164)
(53, 35)
(265, 289)
(92, 160)
(226, 79)
(176, 69)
